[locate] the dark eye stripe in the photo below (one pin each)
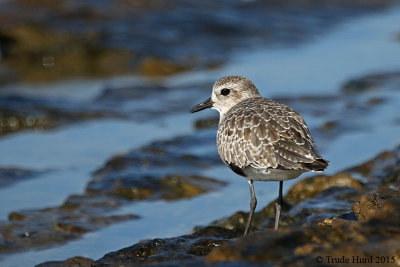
(225, 91)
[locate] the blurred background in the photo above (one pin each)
(98, 149)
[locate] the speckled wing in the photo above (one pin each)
(261, 133)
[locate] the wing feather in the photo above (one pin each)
(261, 133)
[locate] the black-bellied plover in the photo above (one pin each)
(260, 139)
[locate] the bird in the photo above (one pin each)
(260, 139)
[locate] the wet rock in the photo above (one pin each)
(152, 171)
(163, 169)
(330, 125)
(43, 228)
(312, 186)
(304, 203)
(170, 187)
(383, 170)
(206, 123)
(372, 82)
(335, 201)
(319, 238)
(55, 54)
(154, 67)
(186, 247)
(296, 246)
(9, 176)
(315, 244)
(19, 113)
(312, 199)
(317, 227)
(133, 100)
(11, 122)
(302, 246)
(71, 262)
(369, 204)
(90, 39)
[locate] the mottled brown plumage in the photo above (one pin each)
(264, 134)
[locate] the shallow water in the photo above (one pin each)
(354, 48)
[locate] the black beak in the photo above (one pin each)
(208, 103)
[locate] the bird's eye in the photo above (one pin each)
(225, 91)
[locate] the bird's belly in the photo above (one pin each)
(270, 174)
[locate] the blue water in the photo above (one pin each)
(71, 153)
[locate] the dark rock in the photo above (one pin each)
(59, 54)
(150, 171)
(304, 203)
(371, 82)
(18, 113)
(317, 226)
(185, 247)
(330, 125)
(154, 67)
(162, 169)
(85, 38)
(383, 170)
(312, 186)
(9, 176)
(131, 101)
(42, 228)
(206, 123)
(369, 204)
(71, 262)
(302, 246)
(169, 187)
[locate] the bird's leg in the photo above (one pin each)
(278, 205)
(253, 204)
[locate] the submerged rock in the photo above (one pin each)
(9, 176)
(143, 102)
(71, 262)
(43, 228)
(20, 113)
(163, 170)
(390, 80)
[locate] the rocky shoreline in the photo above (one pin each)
(361, 223)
